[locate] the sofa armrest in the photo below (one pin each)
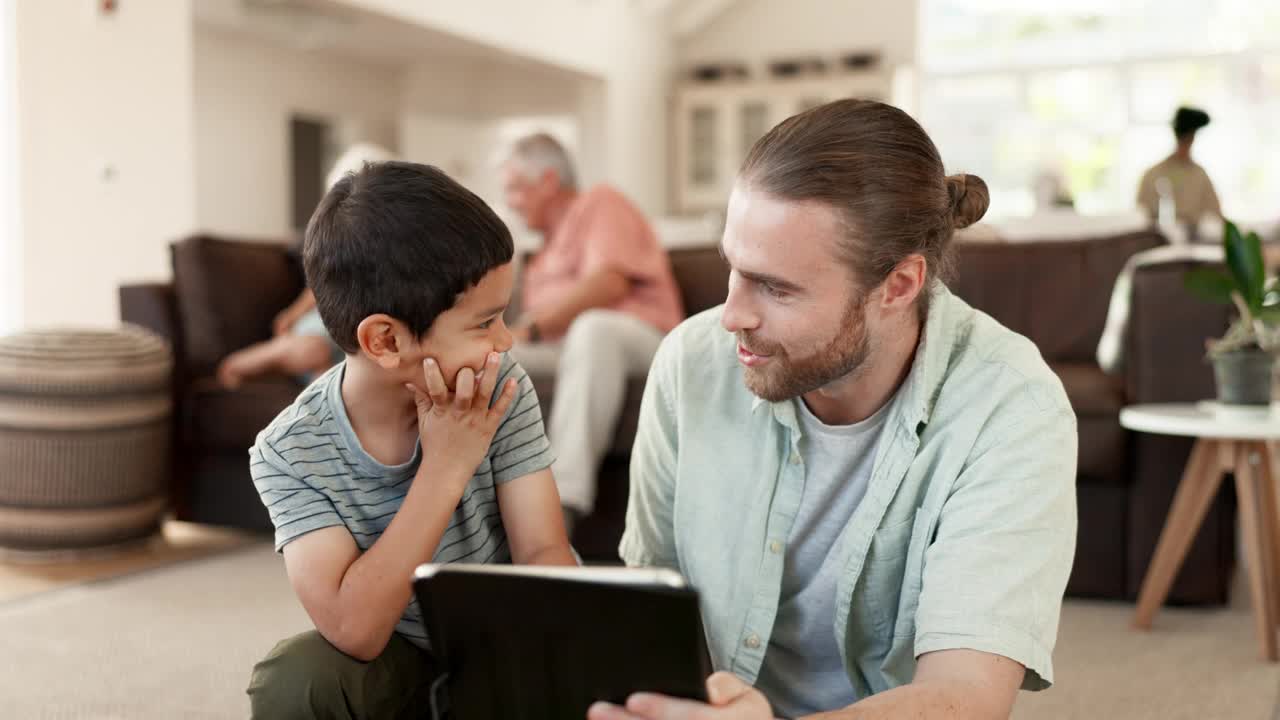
(1164, 345)
(152, 306)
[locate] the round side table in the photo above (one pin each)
(1226, 442)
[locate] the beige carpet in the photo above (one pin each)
(180, 641)
(1193, 664)
(177, 642)
(23, 574)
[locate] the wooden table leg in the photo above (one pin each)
(1270, 487)
(1199, 485)
(1257, 542)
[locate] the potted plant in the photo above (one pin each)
(1243, 357)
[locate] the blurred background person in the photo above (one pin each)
(300, 344)
(596, 301)
(1179, 184)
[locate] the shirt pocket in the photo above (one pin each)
(882, 575)
(913, 577)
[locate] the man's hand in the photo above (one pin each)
(457, 427)
(731, 699)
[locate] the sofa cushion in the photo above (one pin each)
(220, 419)
(1091, 391)
(703, 277)
(1096, 399)
(228, 292)
(1055, 292)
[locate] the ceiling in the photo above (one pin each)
(333, 27)
(336, 27)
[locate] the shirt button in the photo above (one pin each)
(752, 641)
(775, 547)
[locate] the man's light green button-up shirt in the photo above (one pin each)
(965, 536)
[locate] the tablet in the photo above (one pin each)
(540, 642)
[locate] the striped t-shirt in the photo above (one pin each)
(312, 473)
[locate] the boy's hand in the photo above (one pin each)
(457, 427)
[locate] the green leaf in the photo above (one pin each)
(1209, 284)
(1253, 245)
(1244, 260)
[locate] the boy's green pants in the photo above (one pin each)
(306, 677)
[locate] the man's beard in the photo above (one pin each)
(784, 378)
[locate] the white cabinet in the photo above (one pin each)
(715, 126)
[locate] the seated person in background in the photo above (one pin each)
(1187, 183)
(597, 300)
(299, 346)
(398, 455)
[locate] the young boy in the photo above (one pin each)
(397, 456)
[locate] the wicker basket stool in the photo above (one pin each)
(84, 437)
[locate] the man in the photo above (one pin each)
(871, 484)
(597, 300)
(1181, 177)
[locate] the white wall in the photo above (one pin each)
(567, 33)
(636, 116)
(620, 53)
(761, 30)
(445, 122)
(11, 285)
(105, 152)
(245, 93)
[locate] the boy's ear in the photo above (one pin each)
(382, 338)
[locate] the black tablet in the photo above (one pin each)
(539, 642)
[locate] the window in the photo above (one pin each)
(702, 171)
(755, 123)
(1085, 90)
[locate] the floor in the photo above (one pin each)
(23, 574)
(173, 629)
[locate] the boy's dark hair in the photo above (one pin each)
(398, 238)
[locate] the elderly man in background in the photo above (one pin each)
(596, 300)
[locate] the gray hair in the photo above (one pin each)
(537, 153)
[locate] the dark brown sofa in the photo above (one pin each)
(1057, 294)
(225, 293)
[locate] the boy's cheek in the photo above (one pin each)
(450, 367)
(450, 377)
